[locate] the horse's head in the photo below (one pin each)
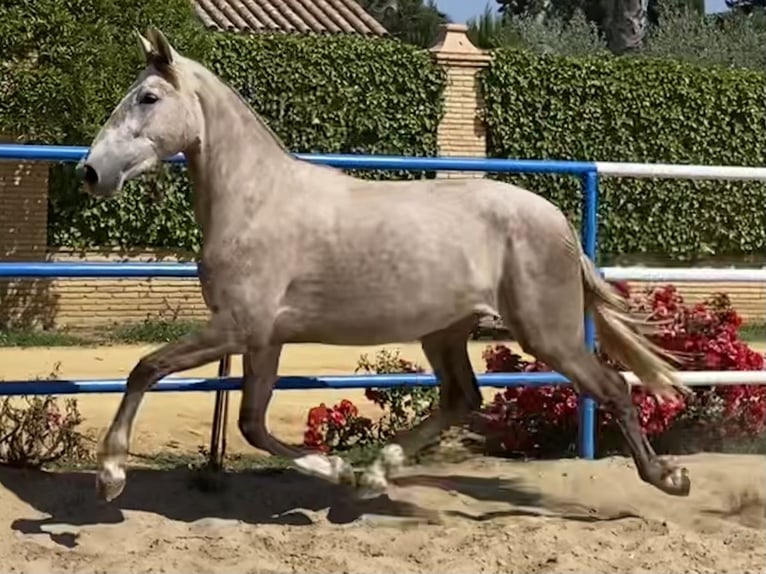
(158, 118)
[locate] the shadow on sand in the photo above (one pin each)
(253, 497)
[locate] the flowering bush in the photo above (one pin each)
(337, 428)
(403, 407)
(341, 428)
(707, 335)
(40, 433)
(542, 421)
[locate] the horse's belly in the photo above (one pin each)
(369, 318)
(291, 327)
(397, 284)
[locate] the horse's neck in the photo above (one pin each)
(232, 164)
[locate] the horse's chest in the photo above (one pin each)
(207, 280)
(220, 283)
(237, 281)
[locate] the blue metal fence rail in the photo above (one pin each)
(344, 161)
(587, 171)
(292, 383)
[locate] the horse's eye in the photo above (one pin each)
(148, 98)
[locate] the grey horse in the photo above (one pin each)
(295, 252)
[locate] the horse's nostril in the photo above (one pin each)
(90, 176)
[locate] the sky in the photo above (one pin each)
(461, 10)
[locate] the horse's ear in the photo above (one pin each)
(144, 46)
(163, 50)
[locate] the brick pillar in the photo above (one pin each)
(23, 211)
(461, 132)
(24, 237)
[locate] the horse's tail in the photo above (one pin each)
(619, 339)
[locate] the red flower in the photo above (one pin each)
(53, 418)
(313, 438)
(318, 415)
(337, 418)
(712, 361)
(348, 408)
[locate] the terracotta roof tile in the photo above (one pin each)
(301, 16)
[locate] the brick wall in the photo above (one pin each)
(88, 303)
(24, 216)
(23, 237)
(84, 304)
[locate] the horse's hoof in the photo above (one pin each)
(371, 485)
(342, 471)
(373, 482)
(676, 482)
(332, 468)
(393, 458)
(314, 464)
(110, 482)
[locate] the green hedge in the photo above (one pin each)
(324, 94)
(640, 110)
(64, 64)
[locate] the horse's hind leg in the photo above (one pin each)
(260, 375)
(612, 391)
(551, 329)
(458, 396)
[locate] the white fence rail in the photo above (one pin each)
(677, 171)
(684, 274)
(717, 378)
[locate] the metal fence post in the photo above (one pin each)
(220, 418)
(587, 408)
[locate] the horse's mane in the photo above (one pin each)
(199, 68)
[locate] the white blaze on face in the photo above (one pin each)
(151, 122)
(122, 149)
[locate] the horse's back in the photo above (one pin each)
(462, 204)
(465, 233)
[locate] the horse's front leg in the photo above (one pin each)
(192, 351)
(260, 368)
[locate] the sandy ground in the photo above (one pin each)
(493, 516)
(496, 516)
